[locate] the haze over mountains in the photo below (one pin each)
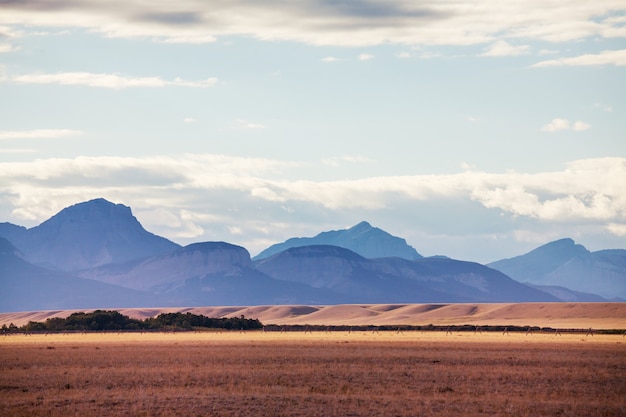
(29, 287)
(86, 235)
(563, 263)
(368, 241)
(96, 254)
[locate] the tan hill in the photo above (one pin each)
(556, 315)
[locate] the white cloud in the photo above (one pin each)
(617, 229)
(235, 230)
(603, 107)
(189, 120)
(329, 59)
(113, 81)
(39, 134)
(365, 57)
(319, 22)
(7, 47)
(589, 189)
(241, 124)
(196, 197)
(403, 55)
(557, 125)
(579, 126)
(616, 57)
(503, 48)
(176, 223)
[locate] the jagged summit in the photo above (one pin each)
(94, 215)
(89, 234)
(362, 238)
(361, 227)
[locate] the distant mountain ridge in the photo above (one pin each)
(367, 241)
(96, 254)
(206, 273)
(30, 287)
(566, 264)
(390, 280)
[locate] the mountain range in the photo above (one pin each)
(368, 241)
(96, 254)
(563, 263)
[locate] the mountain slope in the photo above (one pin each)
(390, 280)
(566, 264)
(11, 232)
(103, 257)
(367, 241)
(209, 273)
(565, 294)
(89, 234)
(29, 287)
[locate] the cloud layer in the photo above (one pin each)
(204, 191)
(616, 57)
(320, 22)
(113, 81)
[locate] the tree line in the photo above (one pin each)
(102, 320)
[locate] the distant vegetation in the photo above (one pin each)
(101, 320)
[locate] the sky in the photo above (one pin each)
(473, 129)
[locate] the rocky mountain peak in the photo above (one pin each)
(90, 234)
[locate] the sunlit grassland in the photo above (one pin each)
(312, 374)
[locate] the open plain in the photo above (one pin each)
(341, 373)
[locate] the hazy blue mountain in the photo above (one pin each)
(209, 273)
(96, 254)
(566, 264)
(11, 232)
(565, 294)
(88, 234)
(367, 241)
(26, 287)
(387, 280)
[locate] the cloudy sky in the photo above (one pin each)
(474, 129)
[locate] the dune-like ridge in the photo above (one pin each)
(561, 315)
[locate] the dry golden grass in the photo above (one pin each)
(318, 374)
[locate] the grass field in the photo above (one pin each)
(312, 374)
